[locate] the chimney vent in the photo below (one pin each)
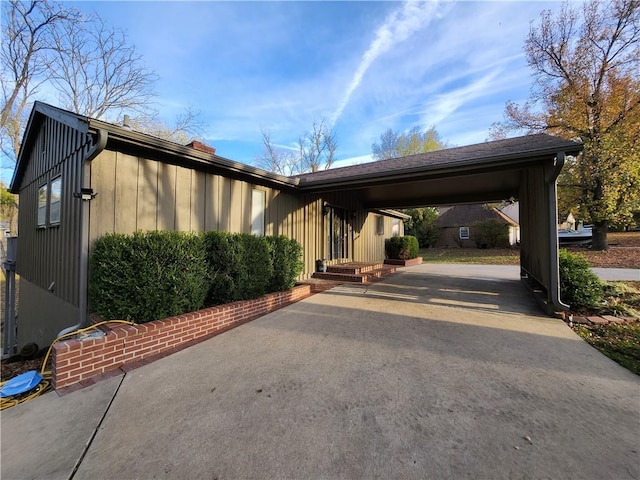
(196, 145)
(126, 122)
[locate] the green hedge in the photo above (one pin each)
(147, 276)
(579, 286)
(286, 256)
(401, 248)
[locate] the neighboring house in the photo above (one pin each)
(80, 178)
(457, 225)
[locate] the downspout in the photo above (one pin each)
(552, 204)
(97, 147)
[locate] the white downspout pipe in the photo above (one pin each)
(552, 203)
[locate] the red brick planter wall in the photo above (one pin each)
(75, 361)
(404, 263)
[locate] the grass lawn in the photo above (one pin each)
(477, 256)
(624, 253)
(621, 343)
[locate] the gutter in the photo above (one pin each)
(85, 195)
(552, 214)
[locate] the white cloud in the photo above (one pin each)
(398, 27)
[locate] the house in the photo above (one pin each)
(79, 178)
(458, 225)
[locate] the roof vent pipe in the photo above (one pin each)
(126, 122)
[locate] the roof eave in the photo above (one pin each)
(185, 154)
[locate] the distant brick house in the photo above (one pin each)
(457, 225)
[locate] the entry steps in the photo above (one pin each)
(356, 272)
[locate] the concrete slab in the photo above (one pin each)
(437, 372)
(443, 371)
(46, 436)
(618, 274)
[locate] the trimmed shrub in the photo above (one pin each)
(226, 269)
(286, 256)
(257, 264)
(147, 276)
(490, 233)
(401, 248)
(579, 286)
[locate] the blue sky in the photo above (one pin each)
(363, 66)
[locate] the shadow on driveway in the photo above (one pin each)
(429, 374)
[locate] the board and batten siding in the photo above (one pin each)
(135, 193)
(48, 255)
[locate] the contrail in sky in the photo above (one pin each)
(400, 25)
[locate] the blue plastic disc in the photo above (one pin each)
(20, 384)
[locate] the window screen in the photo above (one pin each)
(42, 205)
(257, 212)
(56, 194)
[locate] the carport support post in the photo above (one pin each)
(551, 176)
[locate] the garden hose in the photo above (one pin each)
(45, 382)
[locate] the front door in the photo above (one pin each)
(338, 234)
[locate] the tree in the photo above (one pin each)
(587, 70)
(8, 208)
(96, 72)
(187, 126)
(317, 148)
(314, 151)
(275, 159)
(91, 68)
(394, 145)
(422, 225)
(26, 57)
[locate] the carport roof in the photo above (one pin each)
(474, 173)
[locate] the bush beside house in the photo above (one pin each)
(579, 286)
(401, 248)
(148, 276)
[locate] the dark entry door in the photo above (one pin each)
(338, 234)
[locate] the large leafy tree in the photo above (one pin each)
(422, 225)
(586, 63)
(393, 144)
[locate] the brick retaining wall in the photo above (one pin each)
(75, 361)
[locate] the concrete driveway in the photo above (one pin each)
(437, 372)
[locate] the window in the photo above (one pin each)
(43, 194)
(54, 202)
(464, 233)
(257, 212)
(379, 225)
(395, 227)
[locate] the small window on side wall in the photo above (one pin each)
(258, 200)
(464, 233)
(54, 202)
(379, 225)
(395, 227)
(43, 194)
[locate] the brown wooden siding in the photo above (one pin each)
(141, 194)
(136, 193)
(48, 257)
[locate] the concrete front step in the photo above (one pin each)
(365, 277)
(354, 268)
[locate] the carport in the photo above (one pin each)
(523, 168)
